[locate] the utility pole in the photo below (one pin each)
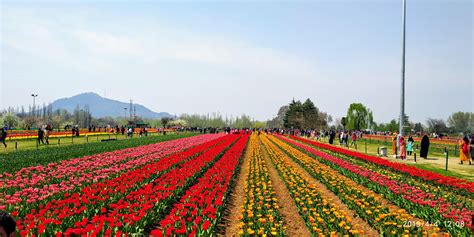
(402, 86)
(125, 113)
(34, 97)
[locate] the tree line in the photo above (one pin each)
(295, 115)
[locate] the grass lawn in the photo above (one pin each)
(31, 143)
(436, 161)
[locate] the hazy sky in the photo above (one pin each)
(242, 57)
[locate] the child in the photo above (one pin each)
(410, 147)
(403, 152)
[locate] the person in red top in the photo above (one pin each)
(464, 150)
(403, 150)
(354, 139)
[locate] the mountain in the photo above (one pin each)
(102, 107)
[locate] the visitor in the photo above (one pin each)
(40, 136)
(77, 131)
(464, 150)
(425, 145)
(354, 139)
(7, 225)
(331, 136)
(394, 145)
(472, 148)
(3, 137)
(403, 152)
(345, 139)
(46, 135)
(410, 145)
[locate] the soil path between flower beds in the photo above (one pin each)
(237, 197)
(293, 222)
(327, 194)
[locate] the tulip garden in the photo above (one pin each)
(232, 185)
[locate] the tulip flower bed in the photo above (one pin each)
(183, 187)
(36, 183)
(201, 208)
(452, 217)
(260, 210)
(437, 191)
(15, 161)
(454, 183)
(95, 204)
(377, 214)
(322, 216)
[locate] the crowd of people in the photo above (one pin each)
(401, 147)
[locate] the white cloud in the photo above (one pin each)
(91, 48)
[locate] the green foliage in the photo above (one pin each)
(359, 117)
(304, 115)
(310, 115)
(165, 121)
(12, 162)
(258, 124)
(294, 117)
(216, 120)
(418, 127)
(461, 121)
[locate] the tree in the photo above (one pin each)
(294, 117)
(461, 122)
(418, 127)
(358, 117)
(10, 120)
(277, 122)
(258, 124)
(178, 122)
(310, 115)
(436, 125)
(165, 121)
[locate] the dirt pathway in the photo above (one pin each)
(237, 197)
(293, 221)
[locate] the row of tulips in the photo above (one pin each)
(453, 218)
(260, 210)
(201, 208)
(98, 199)
(387, 220)
(40, 182)
(434, 192)
(455, 183)
(321, 215)
(144, 205)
